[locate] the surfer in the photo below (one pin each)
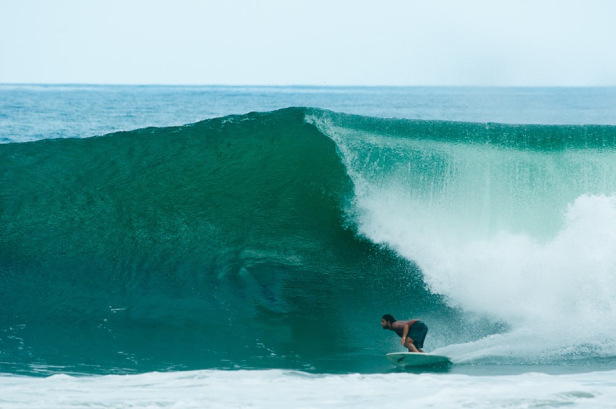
(412, 332)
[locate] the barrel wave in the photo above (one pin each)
(277, 240)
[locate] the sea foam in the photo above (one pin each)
(284, 389)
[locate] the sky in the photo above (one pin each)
(318, 42)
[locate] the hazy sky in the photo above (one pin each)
(290, 42)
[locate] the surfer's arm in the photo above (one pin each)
(405, 331)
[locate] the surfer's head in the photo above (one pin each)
(387, 320)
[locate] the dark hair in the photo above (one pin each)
(389, 318)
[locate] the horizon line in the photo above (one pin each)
(101, 84)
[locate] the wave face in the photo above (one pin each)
(277, 240)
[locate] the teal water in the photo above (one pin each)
(278, 239)
(222, 243)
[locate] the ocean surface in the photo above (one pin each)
(218, 247)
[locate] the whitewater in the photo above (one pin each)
(236, 246)
(283, 389)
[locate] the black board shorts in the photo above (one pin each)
(417, 333)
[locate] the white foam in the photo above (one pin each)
(286, 389)
(561, 291)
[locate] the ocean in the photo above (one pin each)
(219, 246)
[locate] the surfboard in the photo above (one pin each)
(408, 359)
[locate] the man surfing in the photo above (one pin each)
(412, 332)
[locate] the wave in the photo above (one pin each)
(279, 239)
(512, 222)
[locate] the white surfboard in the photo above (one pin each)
(408, 359)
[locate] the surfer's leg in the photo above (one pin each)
(418, 334)
(410, 346)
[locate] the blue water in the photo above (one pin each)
(189, 234)
(32, 112)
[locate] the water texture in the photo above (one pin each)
(277, 239)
